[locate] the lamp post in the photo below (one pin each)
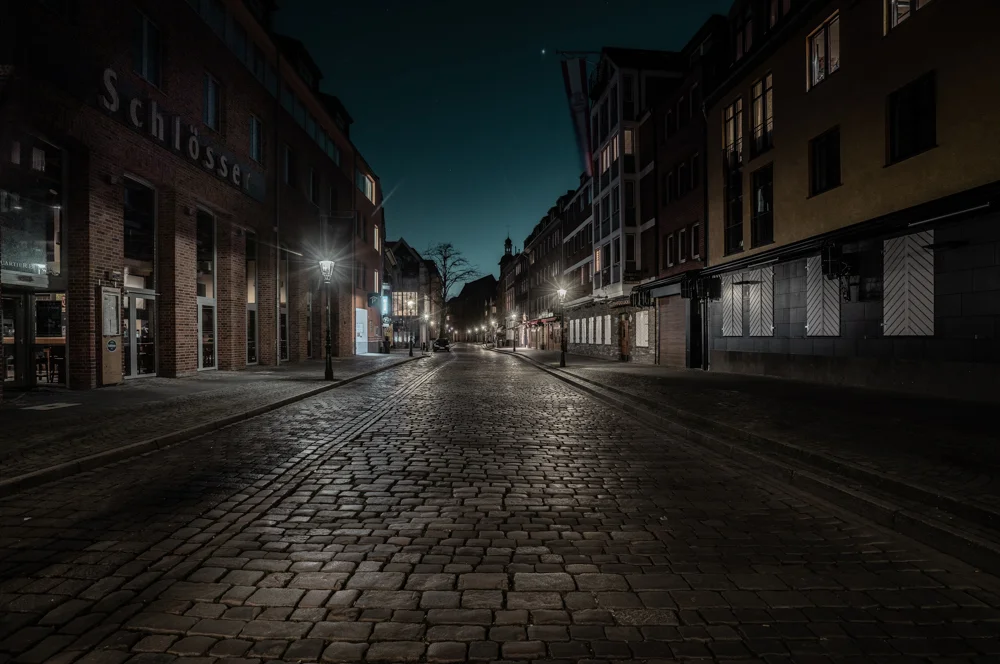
(562, 327)
(326, 269)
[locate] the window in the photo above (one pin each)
(732, 133)
(733, 231)
(376, 238)
(696, 241)
(146, 49)
(628, 142)
(613, 99)
(682, 244)
(376, 284)
(762, 110)
(671, 249)
(695, 170)
(288, 166)
(824, 50)
(824, 162)
(597, 260)
(778, 10)
(761, 214)
(614, 148)
(313, 186)
(897, 11)
(140, 235)
(912, 119)
(251, 269)
(256, 140)
(744, 35)
(665, 253)
(212, 112)
(605, 159)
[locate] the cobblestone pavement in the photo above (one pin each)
(464, 508)
(140, 409)
(943, 445)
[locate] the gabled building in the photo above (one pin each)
(414, 301)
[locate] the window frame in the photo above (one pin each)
(210, 79)
(682, 248)
(141, 68)
(256, 139)
(813, 143)
(696, 241)
(762, 97)
(825, 28)
(891, 19)
(922, 144)
(757, 236)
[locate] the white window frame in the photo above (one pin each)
(813, 76)
(142, 68)
(681, 239)
(212, 83)
(695, 249)
(891, 18)
(671, 249)
(629, 142)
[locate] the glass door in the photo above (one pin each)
(139, 335)
(14, 343)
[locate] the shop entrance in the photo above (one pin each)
(34, 339)
(138, 334)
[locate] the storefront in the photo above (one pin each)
(33, 262)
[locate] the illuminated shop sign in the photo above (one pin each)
(159, 125)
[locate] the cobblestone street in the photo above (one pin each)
(467, 507)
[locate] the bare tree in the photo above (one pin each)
(453, 269)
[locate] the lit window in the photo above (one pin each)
(732, 131)
(824, 50)
(366, 184)
(762, 109)
(897, 11)
(614, 148)
(628, 141)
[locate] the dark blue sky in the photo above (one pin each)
(457, 110)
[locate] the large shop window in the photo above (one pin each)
(207, 319)
(283, 306)
(252, 320)
(139, 302)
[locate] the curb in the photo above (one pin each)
(966, 546)
(35, 478)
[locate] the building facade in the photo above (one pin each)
(855, 238)
(543, 249)
(414, 306)
(171, 177)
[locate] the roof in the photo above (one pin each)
(472, 288)
(299, 52)
(336, 108)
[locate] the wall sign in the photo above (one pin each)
(156, 123)
(112, 345)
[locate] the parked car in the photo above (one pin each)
(442, 344)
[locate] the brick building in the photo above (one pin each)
(544, 251)
(865, 249)
(171, 176)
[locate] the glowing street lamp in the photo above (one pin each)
(326, 269)
(513, 317)
(562, 327)
(409, 323)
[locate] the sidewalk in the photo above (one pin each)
(44, 428)
(945, 447)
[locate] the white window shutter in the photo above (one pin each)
(822, 301)
(908, 273)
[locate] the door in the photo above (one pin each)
(206, 333)
(15, 346)
(138, 335)
(623, 340)
(670, 331)
(360, 331)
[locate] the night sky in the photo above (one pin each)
(456, 107)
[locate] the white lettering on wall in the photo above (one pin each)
(177, 133)
(156, 128)
(110, 100)
(223, 167)
(194, 147)
(236, 174)
(133, 112)
(209, 158)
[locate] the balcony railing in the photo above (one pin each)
(732, 155)
(763, 137)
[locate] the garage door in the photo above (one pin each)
(671, 331)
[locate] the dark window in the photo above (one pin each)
(682, 243)
(695, 241)
(146, 49)
(762, 213)
(140, 233)
(672, 250)
(824, 162)
(256, 140)
(288, 166)
(212, 114)
(912, 119)
(733, 240)
(762, 110)
(614, 106)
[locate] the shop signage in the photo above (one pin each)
(386, 320)
(156, 123)
(112, 345)
(373, 299)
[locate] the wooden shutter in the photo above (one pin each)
(760, 301)
(908, 272)
(822, 301)
(671, 331)
(732, 306)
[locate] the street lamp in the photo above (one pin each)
(409, 319)
(562, 327)
(326, 269)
